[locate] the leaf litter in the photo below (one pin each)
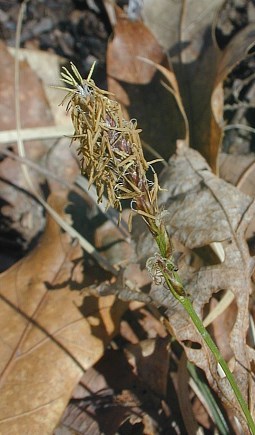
(225, 206)
(203, 209)
(48, 342)
(186, 31)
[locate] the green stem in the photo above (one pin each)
(174, 284)
(186, 303)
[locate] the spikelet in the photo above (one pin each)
(110, 148)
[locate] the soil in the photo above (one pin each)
(69, 28)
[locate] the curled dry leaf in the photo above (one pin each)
(137, 86)
(201, 209)
(132, 39)
(22, 214)
(35, 108)
(242, 176)
(111, 394)
(150, 359)
(184, 397)
(50, 332)
(186, 30)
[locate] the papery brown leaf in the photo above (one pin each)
(203, 209)
(111, 394)
(22, 212)
(35, 108)
(112, 243)
(184, 397)
(150, 359)
(221, 328)
(132, 39)
(184, 29)
(174, 90)
(241, 175)
(46, 340)
(137, 86)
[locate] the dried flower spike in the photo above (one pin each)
(110, 148)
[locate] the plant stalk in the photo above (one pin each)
(112, 158)
(187, 305)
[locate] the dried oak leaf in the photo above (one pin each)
(137, 85)
(50, 332)
(111, 397)
(133, 39)
(186, 29)
(202, 209)
(35, 107)
(22, 214)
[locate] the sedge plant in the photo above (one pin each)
(112, 158)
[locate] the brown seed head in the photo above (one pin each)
(110, 147)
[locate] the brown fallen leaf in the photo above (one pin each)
(150, 359)
(137, 85)
(201, 209)
(132, 39)
(186, 29)
(35, 108)
(112, 243)
(50, 332)
(22, 215)
(111, 398)
(22, 212)
(184, 397)
(241, 175)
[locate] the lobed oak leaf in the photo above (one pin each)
(50, 332)
(186, 30)
(201, 210)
